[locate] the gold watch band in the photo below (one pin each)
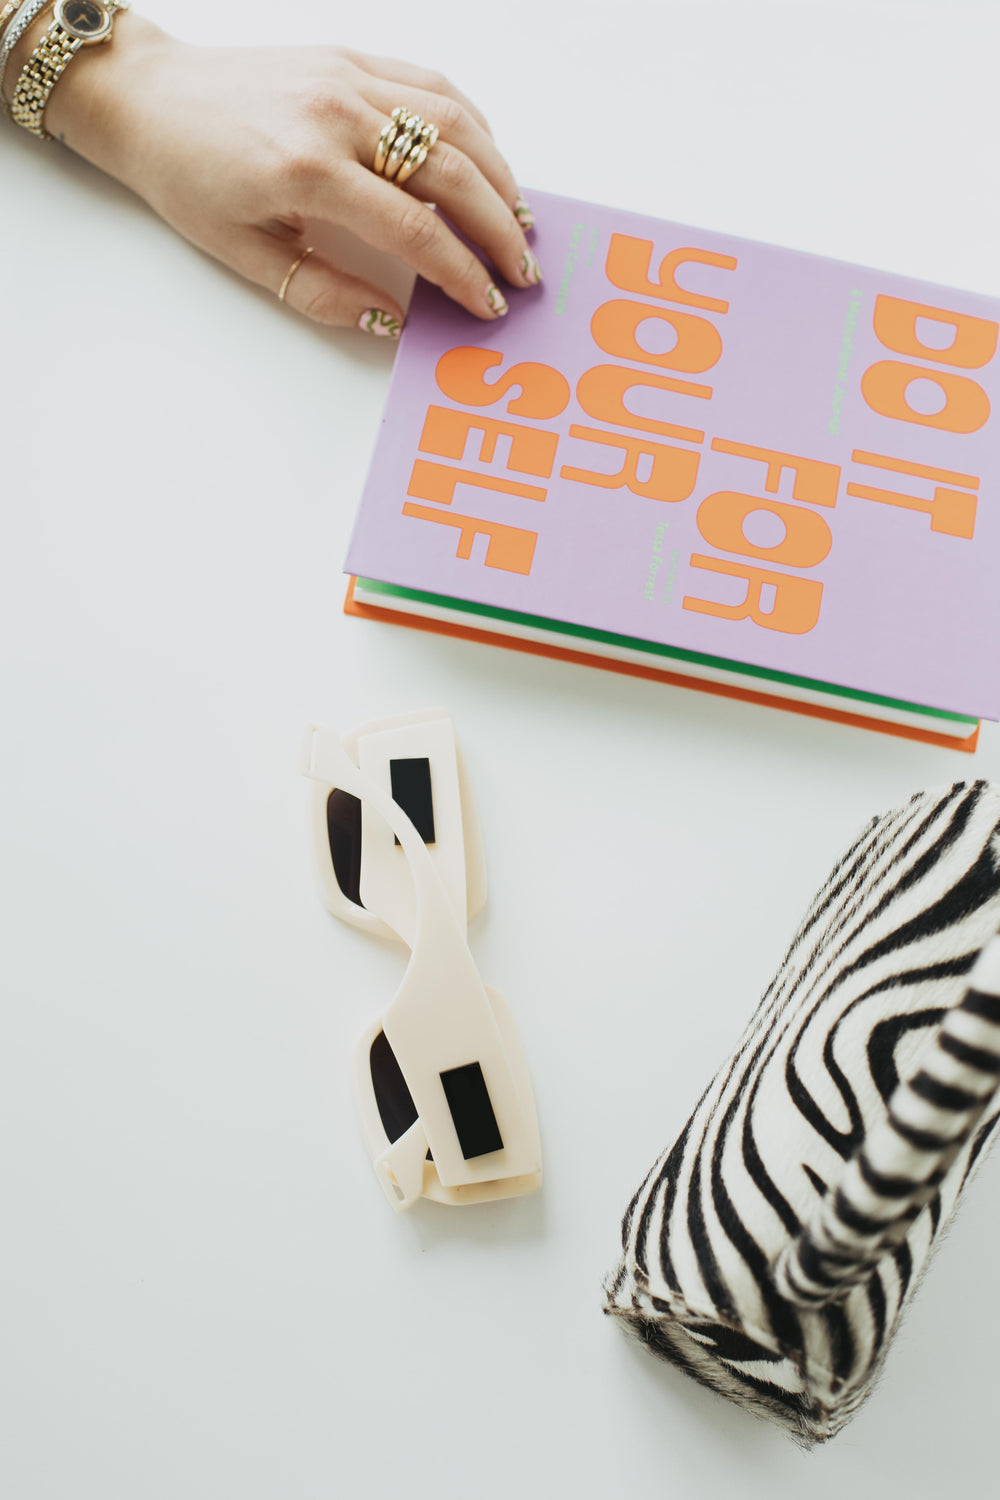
(39, 77)
(43, 70)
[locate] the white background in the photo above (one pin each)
(203, 1291)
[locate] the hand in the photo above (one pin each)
(238, 147)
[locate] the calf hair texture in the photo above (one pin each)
(771, 1251)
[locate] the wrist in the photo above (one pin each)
(91, 107)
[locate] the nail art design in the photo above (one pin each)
(530, 269)
(497, 300)
(382, 324)
(523, 214)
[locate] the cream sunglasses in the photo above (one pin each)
(441, 1081)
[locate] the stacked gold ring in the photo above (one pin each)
(403, 146)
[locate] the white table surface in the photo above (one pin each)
(204, 1293)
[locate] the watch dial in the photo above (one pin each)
(85, 16)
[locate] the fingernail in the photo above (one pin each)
(497, 300)
(530, 269)
(382, 324)
(523, 214)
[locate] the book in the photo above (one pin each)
(707, 460)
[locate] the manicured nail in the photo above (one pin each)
(382, 324)
(530, 269)
(523, 214)
(497, 301)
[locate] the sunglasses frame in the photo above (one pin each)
(451, 782)
(443, 1022)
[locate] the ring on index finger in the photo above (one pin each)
(403, 146)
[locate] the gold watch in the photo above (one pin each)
(77, 23)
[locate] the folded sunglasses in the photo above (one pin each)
(441, 1081)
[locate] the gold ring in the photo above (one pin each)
(292, 270)
(416, 159)
(403, 146)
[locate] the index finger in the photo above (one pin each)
(399, 224)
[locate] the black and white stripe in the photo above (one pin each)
(771, 1251)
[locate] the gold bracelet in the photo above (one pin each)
(78, 23)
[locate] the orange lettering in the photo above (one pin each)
(672, 474)
(544, 392)
(815, 483)
(532, 449)
(601, 393)
(951, 511)
(795, 609)
(615, 324)
(628, 264)
(922, 471)
(895, 324)
(509, 547)
(437, 482)
(807, 539)
(884, 385)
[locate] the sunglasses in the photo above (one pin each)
(441, 1081)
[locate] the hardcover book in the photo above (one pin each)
(707, 460)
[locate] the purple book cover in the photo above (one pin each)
(711, 444)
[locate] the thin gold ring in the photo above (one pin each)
(416, 159)
(292, 270)
(387, 137)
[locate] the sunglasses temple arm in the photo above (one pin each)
(324, 759)
(400, 1168)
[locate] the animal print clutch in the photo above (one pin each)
(771, 1251)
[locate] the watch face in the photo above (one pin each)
(86, 19)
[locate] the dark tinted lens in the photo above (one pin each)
(469, 1101)
(343, 827)
(395, 1102)
(410, 778)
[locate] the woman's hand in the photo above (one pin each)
(238, 148)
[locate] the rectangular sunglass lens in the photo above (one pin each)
(410, 779)
(469, 1101)
(396, 1108)
(343, 829)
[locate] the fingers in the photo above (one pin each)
(462, 173)
(451, 180)
(393, 220)
(459, 130)
(465, 176)
(392, 70)
(459, 120)
(312, 286)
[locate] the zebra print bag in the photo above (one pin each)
(771, 1251)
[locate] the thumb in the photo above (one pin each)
(315, 288)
